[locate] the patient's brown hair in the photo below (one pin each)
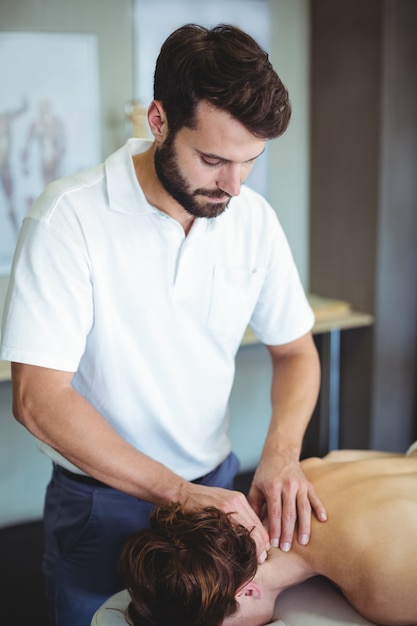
(186, 569)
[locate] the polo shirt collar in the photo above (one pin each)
(124, 192)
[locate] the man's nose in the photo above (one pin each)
(230, 179)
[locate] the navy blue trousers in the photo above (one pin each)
(86, 527)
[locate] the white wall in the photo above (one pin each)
(23, 470)
(250, 406)
(289, 163)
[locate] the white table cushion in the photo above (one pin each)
(112, 612)
(315, 602)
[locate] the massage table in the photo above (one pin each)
(315, 602)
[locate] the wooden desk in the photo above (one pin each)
(5, 373)
(330, 315)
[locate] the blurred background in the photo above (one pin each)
(342, 179)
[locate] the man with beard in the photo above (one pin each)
(133, 284)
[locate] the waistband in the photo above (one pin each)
(82, 479)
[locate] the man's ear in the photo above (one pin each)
(249, 589)
(157, 120)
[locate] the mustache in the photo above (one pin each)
(215, 194)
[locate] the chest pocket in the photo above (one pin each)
(233, 298)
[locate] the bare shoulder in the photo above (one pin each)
(344, 456)
(311, 462)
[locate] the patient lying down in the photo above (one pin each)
(195, 568)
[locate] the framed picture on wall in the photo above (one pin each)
(49, 119)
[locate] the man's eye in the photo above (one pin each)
(210, 162)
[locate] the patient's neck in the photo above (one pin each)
(285, 569)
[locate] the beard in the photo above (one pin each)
(170, 177)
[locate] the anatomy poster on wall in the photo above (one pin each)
(49, 120)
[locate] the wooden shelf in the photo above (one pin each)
(330, 315)
(5, 373)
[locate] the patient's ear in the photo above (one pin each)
(249, 589)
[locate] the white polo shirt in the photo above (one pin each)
(105, 285)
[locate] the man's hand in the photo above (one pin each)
(234, 502)
(281, 491)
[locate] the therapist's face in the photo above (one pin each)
(203, 167)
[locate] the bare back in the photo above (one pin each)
(368, 546)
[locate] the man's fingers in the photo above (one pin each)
(275, 520)
(261, 539)
(295, 508)
(258, 534)
(256, 500)
(304, 518)
(288, 521)
(288, 500)
(289, 507)
(317, 506)
(244, 514)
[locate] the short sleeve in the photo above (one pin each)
(48, 311)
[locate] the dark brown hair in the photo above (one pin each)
(223, 66)
(186, 569)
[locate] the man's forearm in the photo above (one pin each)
(279, 483)
(294, 392)
(47, 405)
